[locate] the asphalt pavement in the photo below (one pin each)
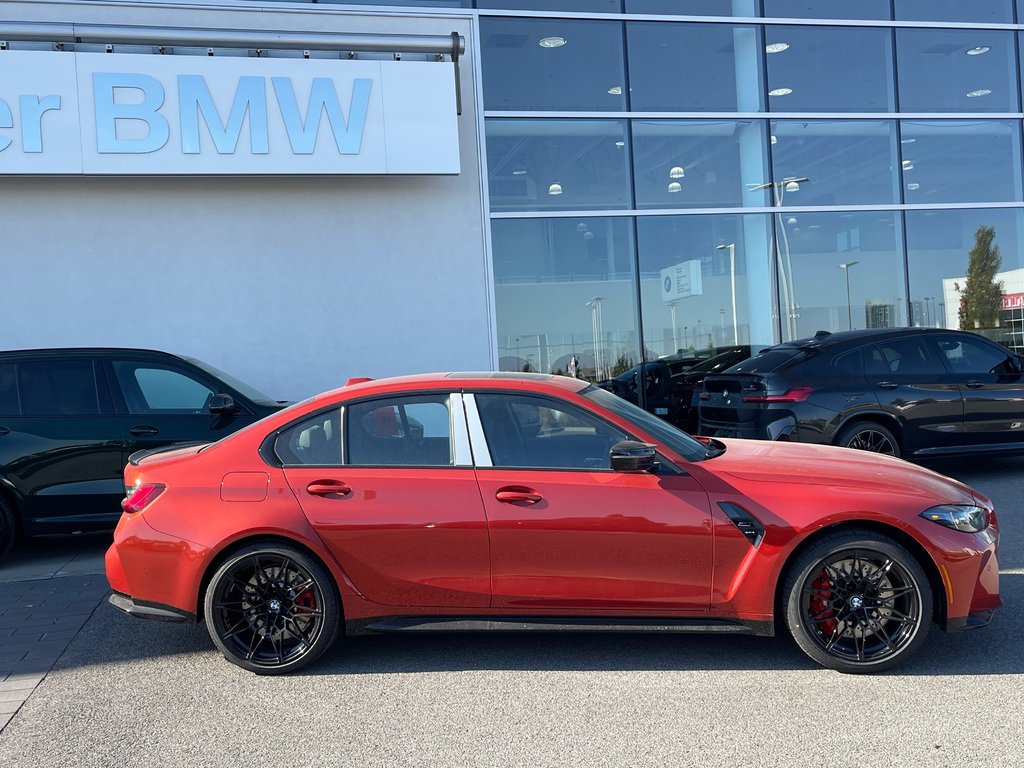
(134, 693)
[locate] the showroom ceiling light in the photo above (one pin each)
(978, 50)
(677, 172)
(775, 139)
(620, 143)
(908, 165)
(588, 235)
(674, 187)
(581, 227)
(776, 47)
(519, 171)
(780, 91)
(913, 186)
(555, 189)
(615, 90)
(907, 141)
(977, 93)
(552, 42)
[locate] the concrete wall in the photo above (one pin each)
(291, 284)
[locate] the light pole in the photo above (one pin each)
(927, 312)
(597, 326)
(732, 283)
(849, 306)
(675, 330)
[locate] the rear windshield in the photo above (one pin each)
(770, 360)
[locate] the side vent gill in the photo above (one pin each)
(748, 525)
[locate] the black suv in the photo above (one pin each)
(907, 392)
(69, 419)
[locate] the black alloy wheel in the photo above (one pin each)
(858, 602)
(868, 436)
(272, 609)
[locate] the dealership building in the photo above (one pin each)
(300, 192)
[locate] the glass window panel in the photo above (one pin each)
(827, 9)
(149, 389)
(699, 163)
(578, 6)
(955, 258)
(829, 69)
(694, 67)
(540, 165)
(996, 11)
(58, 388)
(957, 70)
(314, 441)
(8, 391)
(844, 162)
(747, 8)
(565, 288)
(552, 64)
(704, 282)
(399, 432)
(961, 161)
(839, 271)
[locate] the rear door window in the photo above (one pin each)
(905, 357)
(58, 388)
(412, 431)
(8, 390)
(151, 389)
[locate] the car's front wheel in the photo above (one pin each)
(271, 608)
(857, 601)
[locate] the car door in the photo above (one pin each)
(568, 532)
(992, 388)
(912, 383)
(159, 403)
(396, 501)
(60, 447)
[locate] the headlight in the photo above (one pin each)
(968, 518)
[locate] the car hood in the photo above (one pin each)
(792, 463)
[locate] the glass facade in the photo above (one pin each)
(670, 177)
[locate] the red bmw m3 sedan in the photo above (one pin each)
(464, 502)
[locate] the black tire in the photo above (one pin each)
(869, 436)
(272, 608)
(857, 601)
(8, 528)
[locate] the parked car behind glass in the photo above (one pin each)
(907, 392)
(69, 419)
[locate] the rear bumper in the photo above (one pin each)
(142, 609)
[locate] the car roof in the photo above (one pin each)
(462, 380)
(84, 351)
(825, 339)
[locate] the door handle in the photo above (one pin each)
(887, 385)
(328, 488)
(975, 384)
(141, 430)
(518, 495)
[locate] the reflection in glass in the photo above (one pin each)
(995, 11)
(827, 9)
(704, 282)
(552, 64)
(565, 289)
(829, 69)
(747, 8)
(579, 6)
(961, 161)
(699, 163)
(694, 67)
(840, 271)
(846, 162)
(967, 271)
(541, 165)
(956, 70)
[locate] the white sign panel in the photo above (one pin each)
(95, 113)
(681, 280)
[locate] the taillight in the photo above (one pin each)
(142, 497)
(791, 395)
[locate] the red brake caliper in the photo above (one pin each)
(820, 606)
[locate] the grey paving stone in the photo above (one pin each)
(10, 707)
(15, 695)
(20, 684)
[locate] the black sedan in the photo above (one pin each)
(909, 392)
(69, 419)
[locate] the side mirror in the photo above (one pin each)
(222, 404)
(631, 456)
(1018, 361)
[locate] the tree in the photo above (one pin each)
(982, 298)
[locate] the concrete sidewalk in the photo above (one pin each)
(48, 589)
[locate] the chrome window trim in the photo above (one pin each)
(461, 448)
(481, 452)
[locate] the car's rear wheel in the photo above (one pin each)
(271, 608)
(8, 527)
(869, 436)
(857, 601)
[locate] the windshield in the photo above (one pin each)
(663, 432)
(241, 387)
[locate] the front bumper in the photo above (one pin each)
(142, 609)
